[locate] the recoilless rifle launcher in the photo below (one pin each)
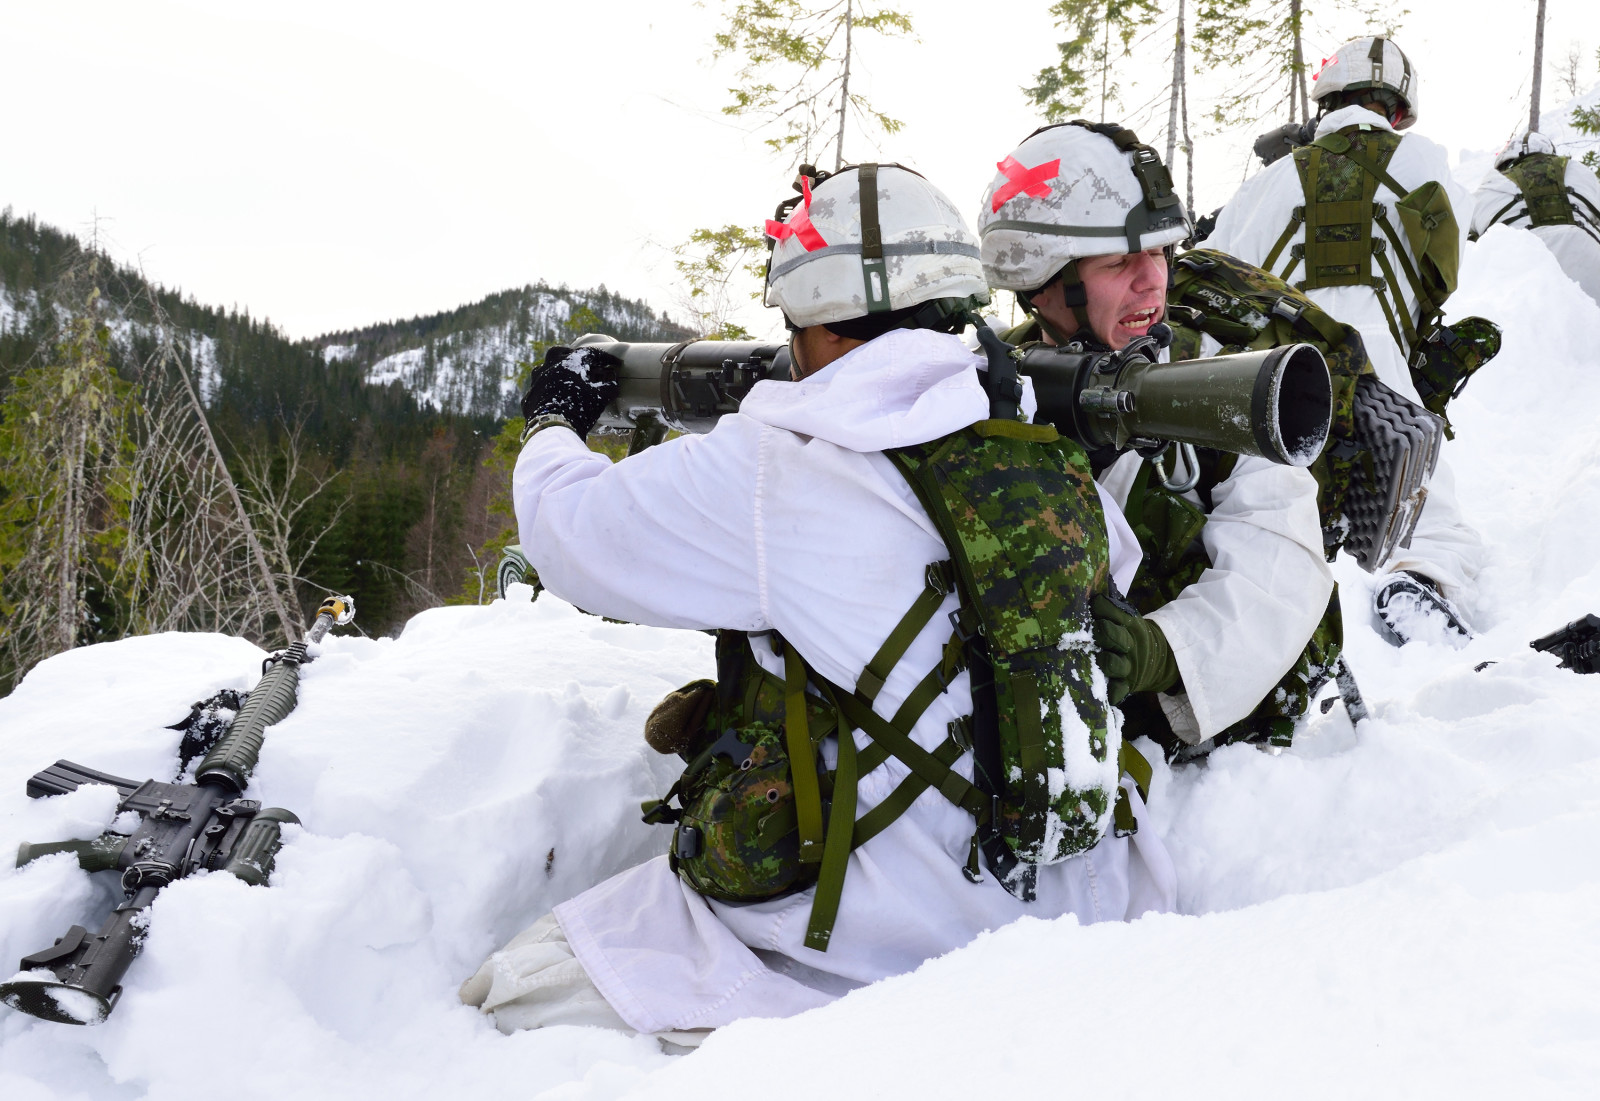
(183, 828)
(1274, 403)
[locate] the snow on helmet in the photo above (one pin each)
(1517, 148)
(869, 239)
(1370, 64)
(1074, 190)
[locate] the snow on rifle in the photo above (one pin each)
(1275, 403)
(182, 829)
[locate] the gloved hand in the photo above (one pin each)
(574, 384)
(1134, 654)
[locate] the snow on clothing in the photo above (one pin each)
(787, 516)
(1575, 247)
(1444, 547)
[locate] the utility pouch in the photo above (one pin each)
(676, 721)
(1449, 357)
(1430, 227)
(737, 836)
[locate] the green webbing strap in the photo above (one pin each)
(1389, 316)
(1320, 254)
(1392, 283)
(859, 714)
(877, 819)
(841, 831)
(1296, 219)
(938, 581)
(802, 758)
(1131, 762)
(874, 271)
(1030, 746)
(1497, 214)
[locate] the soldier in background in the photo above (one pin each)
(1558, 198)
(1363, 222)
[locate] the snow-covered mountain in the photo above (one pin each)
(467, 361)
(1408, 908)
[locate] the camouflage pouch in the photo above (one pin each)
(737, 828)
(1017, 506)
(1449, 357)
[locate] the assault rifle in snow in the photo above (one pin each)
(1273, 403)
(182, 828)
(1577, 645)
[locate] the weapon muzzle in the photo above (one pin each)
(1275, 404)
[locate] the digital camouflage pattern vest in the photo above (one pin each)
(758, 814)
(1542, 179)
(1343, 246)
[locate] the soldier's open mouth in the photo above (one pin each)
(1140, 321)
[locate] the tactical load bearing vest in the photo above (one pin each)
(1546, 200)
(758, 814)
(1339, 178)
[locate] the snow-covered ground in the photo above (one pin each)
(1408, 909)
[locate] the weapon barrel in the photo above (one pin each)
(234, 757)
(1276, 404)
(687, 386)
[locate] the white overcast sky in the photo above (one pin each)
(330, 163)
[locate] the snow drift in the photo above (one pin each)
(1405, 909)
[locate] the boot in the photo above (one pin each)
(1406, 602)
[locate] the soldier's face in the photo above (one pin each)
(1127, 293)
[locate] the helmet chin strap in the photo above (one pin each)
(1075, 298)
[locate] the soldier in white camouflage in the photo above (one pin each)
(1079, 222)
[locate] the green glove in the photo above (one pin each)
(1134, 654)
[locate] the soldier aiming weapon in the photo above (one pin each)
(182, 828)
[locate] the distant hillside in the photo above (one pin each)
(464, 361)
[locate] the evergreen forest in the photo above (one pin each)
(166, 465)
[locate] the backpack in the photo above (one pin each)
(758, 815)
(1339, 177)
(1541, 180)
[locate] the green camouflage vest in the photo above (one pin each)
(1542, 179)
(1339, 178)
(1018, 510)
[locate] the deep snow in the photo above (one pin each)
(1408, 909)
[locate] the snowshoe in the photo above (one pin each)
(1408, 606)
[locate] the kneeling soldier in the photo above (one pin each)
(908, 739)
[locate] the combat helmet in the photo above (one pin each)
(869, 248)
(1374, 66)
(1070, 191)
(1528, 144)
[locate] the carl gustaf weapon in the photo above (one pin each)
(1273, 403)
(182, 828)
(1577, 645)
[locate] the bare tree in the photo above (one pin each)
(1538, 68)
(1570, 70)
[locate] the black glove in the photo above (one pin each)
(1134, 654)
(574, 384)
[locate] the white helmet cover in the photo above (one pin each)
(1517, 148)
(1370, 62)
(1070, 192)
(820, 271)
